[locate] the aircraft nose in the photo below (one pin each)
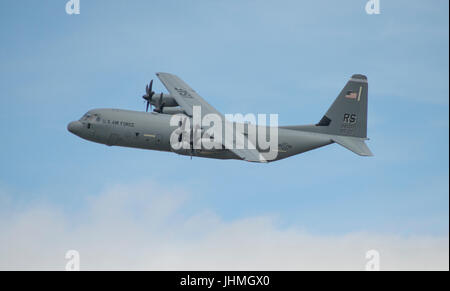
(74, 127)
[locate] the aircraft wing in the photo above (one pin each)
(187, 98)
(250, 155)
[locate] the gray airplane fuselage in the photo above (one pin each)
(344, 123)
(152, 131)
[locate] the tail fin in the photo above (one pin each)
(347, 115)
(346, 119)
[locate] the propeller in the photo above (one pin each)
(192, 132)
(148, 94)
(160, 104)
(195, 137)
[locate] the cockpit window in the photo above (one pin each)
(85, 117)
(91, 117)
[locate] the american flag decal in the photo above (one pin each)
(351, 95)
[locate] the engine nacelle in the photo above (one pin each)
(167, 99)
(173, 110)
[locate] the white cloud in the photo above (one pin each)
(145, 227)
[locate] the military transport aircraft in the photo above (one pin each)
(345, 123)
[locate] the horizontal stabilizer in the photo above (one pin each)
(355, 144)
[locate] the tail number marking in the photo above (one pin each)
(349, 118)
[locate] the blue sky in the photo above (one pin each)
(285, 57)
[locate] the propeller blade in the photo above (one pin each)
(161, 103)
(151, 85)
(183, 124)
(159, 106)
(148, 95)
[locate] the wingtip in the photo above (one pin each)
(359, 76)
(162, 73)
